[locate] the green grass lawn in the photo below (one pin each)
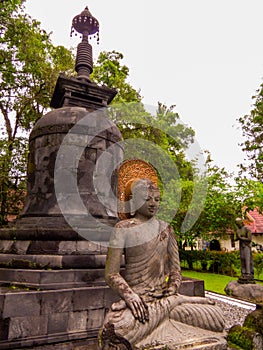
(213, 281)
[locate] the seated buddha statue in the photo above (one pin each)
(151, 313)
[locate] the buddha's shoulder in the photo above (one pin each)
(165, 226)
(127, 223)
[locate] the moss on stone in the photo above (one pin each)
(243, 337)
(254, 320)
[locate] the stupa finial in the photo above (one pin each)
(88, 26)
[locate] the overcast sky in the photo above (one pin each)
(204, 56)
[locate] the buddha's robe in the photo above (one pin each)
(152, 270)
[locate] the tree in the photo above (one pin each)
(250, 193)
(252, 127)
(109, 71)
(161, 126)
(30, 65)
(214, 209)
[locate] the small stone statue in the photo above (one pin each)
(245, 242)
(150, 313)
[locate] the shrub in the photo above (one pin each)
(258, 263)
(226, 263)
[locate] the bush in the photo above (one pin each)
(226, 263)
(258, 263)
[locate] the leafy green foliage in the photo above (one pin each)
(29, 68)
(258, 263)
(252, 127)
(109, 71)
(250, 193)
(226, 263)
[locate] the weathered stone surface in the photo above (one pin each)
(21, 327)
(250, 292)
(254, 320)
(174, 335)
(31, 261)
(44, 247)
(56, 302)
(67, 247)
(6, 246)
(21, 247)
(21, 304)
(86, 247)
(95, 318)
(57, 323)
(2, 299)
(85, 344)
(94, 299)
(192, 287)
(245, 338)
(77, 321)
(4, 328)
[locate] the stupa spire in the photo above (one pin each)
(88, 26)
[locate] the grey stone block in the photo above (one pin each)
(21, 247)
(95, 318)
(6, 246)
(77, 321)
(199, 289)
(88, 298)
(91, 275)
(57, 276)
(187, 288)
(21, 327)
(78, 261)
(44, 247)
(56, 301)
(86, 247)
(28, 276)
(57, 323)
(21, 304)
(67, 247)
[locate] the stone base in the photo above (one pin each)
(172, 335)
(246, 279)
(43, 318)
(249, 292)
(36, 318)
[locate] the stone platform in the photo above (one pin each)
(174, 335)
(40, 319)
(250, 292)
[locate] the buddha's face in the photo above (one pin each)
(147, 203)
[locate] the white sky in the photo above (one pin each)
(204, 56)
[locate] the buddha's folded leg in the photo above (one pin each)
(199, 315)
(121, 325)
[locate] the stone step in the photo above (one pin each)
(51, 247)
(52, 279)
(27, 261)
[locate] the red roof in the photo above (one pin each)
(255, 222)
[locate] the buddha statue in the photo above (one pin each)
(151, 313)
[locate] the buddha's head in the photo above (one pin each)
(145, 197)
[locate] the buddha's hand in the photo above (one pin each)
(138, 307)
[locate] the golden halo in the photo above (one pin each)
(128, 172)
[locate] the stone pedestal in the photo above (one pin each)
(177, 336)
(250, 292)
